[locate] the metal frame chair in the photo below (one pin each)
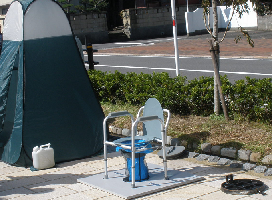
(150, 122)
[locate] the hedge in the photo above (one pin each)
(250, 98)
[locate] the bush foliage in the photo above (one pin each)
(250, 98)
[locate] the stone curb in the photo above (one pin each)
(214, 153)
(232, 163)
(242, 155)
(233, 153)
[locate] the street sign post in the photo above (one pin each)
(173, 6)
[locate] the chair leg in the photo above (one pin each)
(105, 161)
(133, 158)
(165, 170)
(164, 156)
(105, 146)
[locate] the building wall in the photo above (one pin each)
(153, 22)
(92, 26)
(5, 2)
(265, 23)
(4, 5)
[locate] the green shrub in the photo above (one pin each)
(200, 94)
(138, 88)
(172, 94)
(250, 98)
(108, 86)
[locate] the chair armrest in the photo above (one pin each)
(139, 112)
(113, 115)
(119, 114)
(167, 120)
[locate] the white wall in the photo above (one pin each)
(194, 20)
(5, 2)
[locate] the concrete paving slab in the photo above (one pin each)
(116, 185)
(249, 198)
(53, 193)
(267, 195)
(77, 196)
(10, 170)
(61, 182)
(176, 164)
(95, 193)
(19, 193)
(216, 183)
(221, 195)
(42, 188)
(192, 191)
(22, 182)
(79, 187)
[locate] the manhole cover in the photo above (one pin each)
(242, 186)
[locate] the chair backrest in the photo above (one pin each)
(153, 128)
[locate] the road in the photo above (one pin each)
(191, 67)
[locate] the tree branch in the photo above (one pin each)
(208, 27)
(233, 9)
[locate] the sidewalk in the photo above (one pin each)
(198, 46)
(61, 182)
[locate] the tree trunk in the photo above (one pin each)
(216, 47)
(216, 71)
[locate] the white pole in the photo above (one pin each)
(175, 35)
(187, 6)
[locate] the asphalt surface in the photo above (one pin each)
(196, 46)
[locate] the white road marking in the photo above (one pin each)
(181, 57)
(246, 59)
(189, 70)
(127, 43)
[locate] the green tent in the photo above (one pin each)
(45, 92)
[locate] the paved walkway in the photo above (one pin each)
(199, 46)
(61, 182)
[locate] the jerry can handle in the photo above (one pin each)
(45, 145)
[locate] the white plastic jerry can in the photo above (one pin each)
(43, 156)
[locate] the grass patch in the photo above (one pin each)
(236, 133)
